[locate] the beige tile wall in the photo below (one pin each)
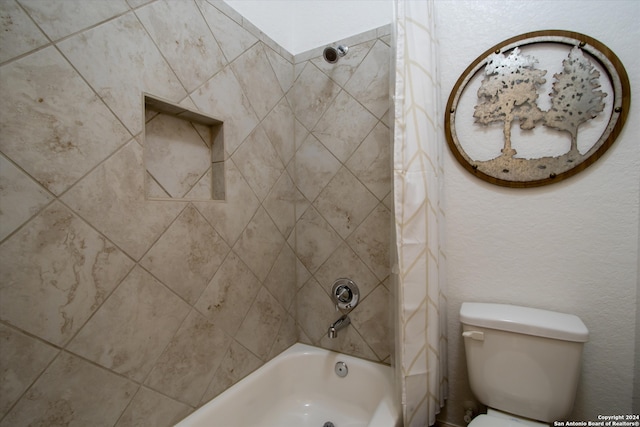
(342, 171)
(116, 310)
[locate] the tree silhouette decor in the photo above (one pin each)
(510, 82)
(575, 98)
(509, 92)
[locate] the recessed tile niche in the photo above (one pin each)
(183, 153)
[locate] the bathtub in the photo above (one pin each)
(300, 388)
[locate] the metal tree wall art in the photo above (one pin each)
(575, 98)
(511, 89)
(509, 92)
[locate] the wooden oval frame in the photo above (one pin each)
(607, 59)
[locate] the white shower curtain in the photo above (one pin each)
(421, 340)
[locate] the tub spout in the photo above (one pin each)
(342, 322)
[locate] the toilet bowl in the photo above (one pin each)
(523, 363)
(494, 418)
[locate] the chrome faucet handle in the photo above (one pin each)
(345, 294)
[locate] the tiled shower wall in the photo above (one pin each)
(343, 174)
(118, 310)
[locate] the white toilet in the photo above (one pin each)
(523, 363)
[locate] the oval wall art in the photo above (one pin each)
(537, 108)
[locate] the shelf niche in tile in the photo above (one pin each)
(183, 153)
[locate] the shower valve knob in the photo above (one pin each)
(345, 294)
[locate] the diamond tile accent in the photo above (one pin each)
(287, 335)
(282, 67)
(314, 167)
(222, 97)
(193, 40)
(187, 256)
(263, 92)
(279, 126)
(259, 162)
(133, 327)
(189, 362)
(371, 162)
(233, 39)
(176, 155)
(345, 202)
(22, 360)
(372, 319)
(317, 308)
(75, 132)
(371, 241)
(237, 363)
(229, 218)
(229, 295)
(316, 240)
(300, 134)
(260, 328)
(149, 408)
(132, 68)
(280, 282)
(19, 33)
(370, 83)
(112, 199)
(280, 204)
(259, 244)
(344, 125)
(21, 197)
(55, 272)
(90, 394)
(58, 20)
(308, 109)
(202, 190)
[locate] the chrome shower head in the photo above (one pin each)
(332, 54)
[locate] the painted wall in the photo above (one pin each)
(636, 371)
(570, 247)
(301, 25)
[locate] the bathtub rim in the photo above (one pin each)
(387, 413)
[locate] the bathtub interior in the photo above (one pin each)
(300, 388)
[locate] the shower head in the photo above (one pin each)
(332, 54)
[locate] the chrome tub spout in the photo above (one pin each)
(342, 322)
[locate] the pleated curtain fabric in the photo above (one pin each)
(418, 140)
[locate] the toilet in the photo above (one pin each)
(523, 363)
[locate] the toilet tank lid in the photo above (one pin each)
(524, 320)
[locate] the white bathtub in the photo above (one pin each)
(299, 388)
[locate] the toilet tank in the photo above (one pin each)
(523, 360)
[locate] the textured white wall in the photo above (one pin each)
(636, 371)
(301, 25)
(571, 246)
